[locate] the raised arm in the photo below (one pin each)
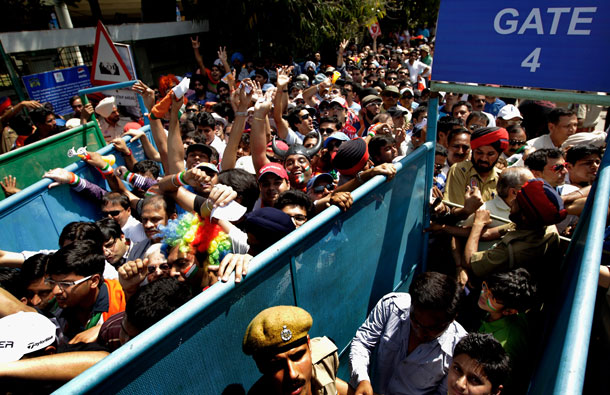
(222, 55)
(281, 98)
(481, 220)
(149, 150)
(341, 51)
(258, 134)
(240, 100)
(198, 58)
(175, 147)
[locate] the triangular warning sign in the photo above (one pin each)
(108, 67)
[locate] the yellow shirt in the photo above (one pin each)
(463, 174)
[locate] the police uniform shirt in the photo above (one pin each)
(463, 174)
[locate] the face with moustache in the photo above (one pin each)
(290, 372)
(484, 158)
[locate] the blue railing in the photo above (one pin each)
(336, 266)
(33, 218)
(563, 364)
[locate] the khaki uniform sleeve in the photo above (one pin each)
(456, 185)
(493, 260)
(325, 361)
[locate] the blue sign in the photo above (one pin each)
(57, 86)
(547, 44)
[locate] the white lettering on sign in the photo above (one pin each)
(575, 20)
(507, 22)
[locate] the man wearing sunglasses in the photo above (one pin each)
(87, 299)
(549, 165)
(117, 207)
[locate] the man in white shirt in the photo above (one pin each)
(562, 123)
(417, 69)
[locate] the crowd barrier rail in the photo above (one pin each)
(29, 163)
(336, 266)
(562, 367)
(33, 218)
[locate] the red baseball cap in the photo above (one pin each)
(274, 168)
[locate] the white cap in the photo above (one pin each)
(509, 111)
(105, 107)
(220, 119)
(72, 123)
(23, 333)
(245, 162)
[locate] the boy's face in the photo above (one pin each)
(487, 301)
(466, 376)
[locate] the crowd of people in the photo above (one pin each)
(251, 150)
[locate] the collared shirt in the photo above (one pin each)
(134, 230)
(532, 249)
(496, 206)
(541, 142)
(423, 371)
(463, 174)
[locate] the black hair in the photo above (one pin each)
(296, 198)
(437, 292)
(196, 136)
(514, 289)
(39, 115)
(446, 123)
(224, 110)
(514, 129)
(310, 135)
(73, 99)
(479, 115)
(455, 132)
(188, 126)
(377, 143)
(558, 112)
(243, 183)
(333, 119)
(21, 123)
(83, 258)
(115, 198)
(163, 201)
(155, 301)
(34, 268)
(419, 110)
(221, 84)
(538, 159)
(81, 231)
(145, 165)
(109, 228)
(10, 280)
(579, 152)
(462, 103)
(204, 119)
(245, 139)
(489, 354)
(293, 116)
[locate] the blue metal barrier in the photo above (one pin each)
(33, 218)
(563, 364)
(336, 266)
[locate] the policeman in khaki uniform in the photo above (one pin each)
(291, 362)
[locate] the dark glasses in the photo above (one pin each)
(320, 188)
(112, 213)
(516, 142)
(305, 116)
(327, 131)
(558, 167)
(163, 266)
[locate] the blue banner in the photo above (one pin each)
(546, 44)
(57, 86)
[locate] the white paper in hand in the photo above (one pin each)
(231, 212)
(181, 88)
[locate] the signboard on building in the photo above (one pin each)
(57, 86)
(555, 44)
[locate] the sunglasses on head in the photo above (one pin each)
(112, 213)
(163, 266)
(320, 188)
